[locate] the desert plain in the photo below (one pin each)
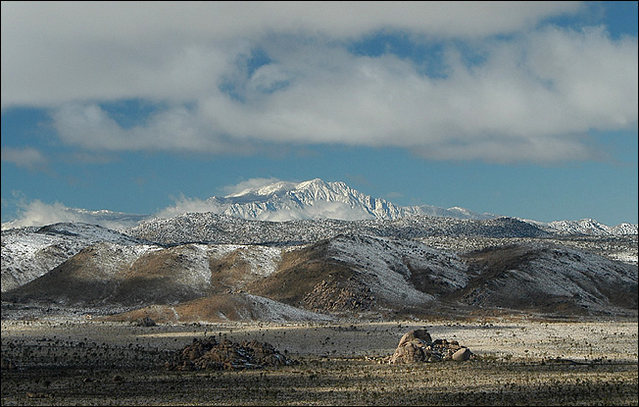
(517, 361)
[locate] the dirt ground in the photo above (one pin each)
(518, 362)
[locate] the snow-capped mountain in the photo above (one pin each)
(286, 201)
(317, 199)
(312, 199)
(322, 247)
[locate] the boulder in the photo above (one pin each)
(146, 321)
(417, 346)
(409, 352)
(462, 355)
(420, 334)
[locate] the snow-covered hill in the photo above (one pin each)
(588, 227)
(43, 215)
(346, 275)
(212, 228)
(28, 253)
(543, 277)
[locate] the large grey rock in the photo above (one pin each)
(462, 355)
(421, 334)
(409, 352)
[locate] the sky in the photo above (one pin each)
(512, 108)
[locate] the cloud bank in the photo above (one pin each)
(38, 213)
(234, 77)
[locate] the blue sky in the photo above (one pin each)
(526, 110)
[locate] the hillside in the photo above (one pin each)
(212, 228)
(346, 275)
(28, 253)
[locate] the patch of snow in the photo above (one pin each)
(28, 253)
(194, 260)
(263, 260)
(386, 263)
(275, 311)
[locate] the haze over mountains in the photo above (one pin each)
(332, 251)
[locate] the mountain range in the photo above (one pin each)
(314, 199)
(332, 251)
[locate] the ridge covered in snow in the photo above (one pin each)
(43, 215)
(586, 227)
(28, 253)
(315, 200)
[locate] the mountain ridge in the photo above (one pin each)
(315, 199)
(344, 275)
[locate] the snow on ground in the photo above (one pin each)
(275, 311)
(387, 262)
(108, 259)
(261, 260)
(194, 259)
(28, 253)
(583, 278)
(626, 257)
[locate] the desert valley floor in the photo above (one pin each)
(518, 361)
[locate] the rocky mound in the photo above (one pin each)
(145, 321)
(208, 354)
(417, 346)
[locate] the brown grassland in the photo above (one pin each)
(518, 362)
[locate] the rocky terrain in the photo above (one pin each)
(209, 354)
(516, 361)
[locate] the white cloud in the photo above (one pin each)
(38, 213)
(185, 204)
(535, 97)
(63, 52)
(249, 184)
(24, 157)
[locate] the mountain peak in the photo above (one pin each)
(263, 190)
(318, 199)
(283, 187)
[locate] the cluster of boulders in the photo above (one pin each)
(210, 354)
(417, 346)
(146, 321)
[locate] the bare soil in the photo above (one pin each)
(519, 362)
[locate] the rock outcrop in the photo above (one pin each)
(146, 321)
(208, 354)
(417, 346)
